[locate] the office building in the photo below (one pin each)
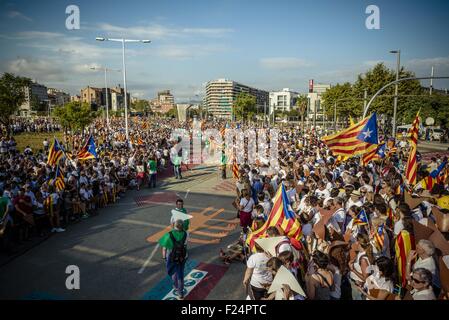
(221, 95)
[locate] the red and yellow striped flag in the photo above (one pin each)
(403, 244)
(345, 143)
(235, 170)
(281, 216)
(412, 163)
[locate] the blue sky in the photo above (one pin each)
(266, 44)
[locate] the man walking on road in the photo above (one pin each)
(174, 252)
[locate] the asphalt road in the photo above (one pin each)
(115, 253)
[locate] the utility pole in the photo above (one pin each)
(335, 116)
(431, 82)
(365, 99)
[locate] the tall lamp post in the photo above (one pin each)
(106, 88)
(123, 41)
(395, 107)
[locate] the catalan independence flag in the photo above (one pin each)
(403, 244)
(55, 154)
(282, 216)
(358, 139)
(379, 237)
(59, 180)
(375, 154)
(361, 218)
(88, 151)
(412, 163)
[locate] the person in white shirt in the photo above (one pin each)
(381, 279)
(421, 281)
(322, 192)
(257, 275)
(425, 250)
(354, 200)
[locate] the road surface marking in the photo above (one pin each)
(190, 282)
(110, 254)
(142, 223)
(149, 259)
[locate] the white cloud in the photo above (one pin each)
(283, 63)
(38, 69)
(429, 62)
(157, 31)
(16, 14)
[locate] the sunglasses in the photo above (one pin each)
(417, 281)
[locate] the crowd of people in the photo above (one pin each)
(33, 202)
(361, 226)
(355, 220)
(32, 125)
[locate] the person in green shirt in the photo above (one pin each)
(224, 161)
(174, 252)
(152, 171)
(180, 208)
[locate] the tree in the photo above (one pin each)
(350, 97)
(374, 79)
(245, 106)
(141, 105)
(12, 95)
(74, 115)
(301, 103)
(172, 113)
(343, 95)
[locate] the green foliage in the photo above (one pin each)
(343, 95)
(12, 95)
(141, 105)
(349, 97)
(75, 115)
(172, 113)
(245, 106)
(435, 106)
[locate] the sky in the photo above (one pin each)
(265, 44)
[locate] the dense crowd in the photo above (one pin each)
(32, 202)
(31, 125)
(338, 255)
(361, 226)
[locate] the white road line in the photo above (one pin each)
(188, 190)
(110, 254)
(149, 259)
(142, 223)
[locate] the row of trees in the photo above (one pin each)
(412, 97)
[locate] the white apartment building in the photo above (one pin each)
(37, 90)
(284, 100)
(316, 110)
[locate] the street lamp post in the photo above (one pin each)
(123, 41)
(395, 107)
(106, 89)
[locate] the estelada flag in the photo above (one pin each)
(281, 216)
(403, 244)
(355, 140)
(55, 153)
(412, 162)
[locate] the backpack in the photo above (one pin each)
(179, 252)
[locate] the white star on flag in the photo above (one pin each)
(367, 133)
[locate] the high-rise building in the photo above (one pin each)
(117, 101)
(36, 90)
(164, 102)
(284, 100)
(221, 95)
(57, 97)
